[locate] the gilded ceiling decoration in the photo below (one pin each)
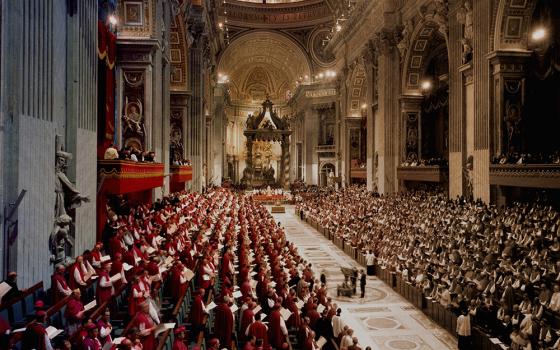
(261, 64)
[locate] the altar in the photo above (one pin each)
(262, 132)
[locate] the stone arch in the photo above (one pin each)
(513, 23)
(276, 56)
(324, 168)
(178, 54)
(426, 38)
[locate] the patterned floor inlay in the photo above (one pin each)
(381, 323)
(369, 309)
(401, 342)
(383, 319)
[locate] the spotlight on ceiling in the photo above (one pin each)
(538, 34)
(338, 27)
(364, 106)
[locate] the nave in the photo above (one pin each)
(383, 319)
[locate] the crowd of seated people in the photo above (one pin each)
(527, 158)
(501, 265)
(251, 285)
(129, 153)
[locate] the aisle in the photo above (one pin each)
(383, 319)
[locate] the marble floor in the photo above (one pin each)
(383, 319)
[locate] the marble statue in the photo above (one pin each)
(133, 119)
(67, 198)
(60, 239)
(406, 33)
(465, 17)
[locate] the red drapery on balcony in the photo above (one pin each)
(106, 50)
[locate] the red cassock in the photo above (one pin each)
(115, 245)
(117, 267)
(103, 293)
(313, 317)
(144, 321)
(245, 321)
(179, 344)
(178, 288)
(308, 344)
(58, 277)
(72, 281)
(274, 331)
(295, 318)
(73, 307)
(246, 289)
(34, 337)
(197, 312)
(134, 302)
(92, 344)
(223, 325)
(259, 331)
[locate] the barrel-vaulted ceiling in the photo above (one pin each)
(261, 63)
(282, 14)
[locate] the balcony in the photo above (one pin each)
(526, 175)
(358, 173)
(125, 176)
(429, 173)
(325, 148)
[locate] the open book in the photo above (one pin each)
(285, 313)
(163, 327)
(116, 277)
(4, 288)
(321, 341)
(189, 274)
(211, 306)
(53, 332)
(90, 305)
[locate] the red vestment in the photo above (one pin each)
(103, 293)
(223, 325)
(275, 334)
(259, 331)
(197, 312)
(144, 321)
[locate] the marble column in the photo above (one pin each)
(388, 109)
(369, 58)
(311, 142)
(284, 176)
(197, 125)
(461, 104)
(483, 12)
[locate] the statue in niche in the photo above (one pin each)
(67, 199)
(133, 118)
(404, 43)
(468, 172)
(440, 15)
(465, 17)
(512, 120)
(176, 145)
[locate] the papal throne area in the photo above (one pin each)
(280, 174)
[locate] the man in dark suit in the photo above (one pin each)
(362, 283)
